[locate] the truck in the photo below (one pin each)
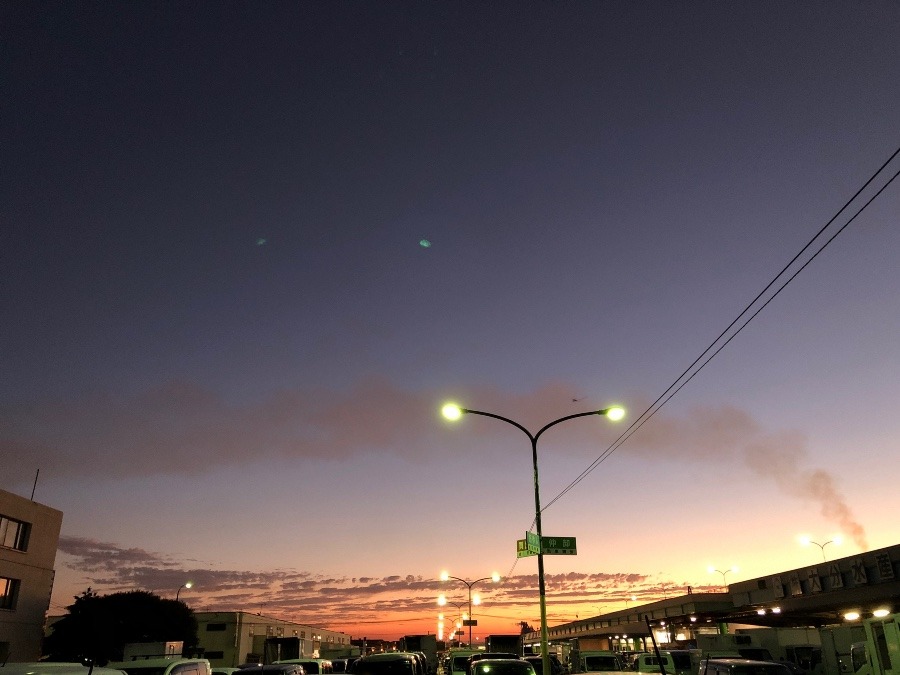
(870, 647)
(503, 643)
(731, 645)
(797, 647)
(427, 644)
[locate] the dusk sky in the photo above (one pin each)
(248, 249)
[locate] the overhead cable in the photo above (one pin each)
(712, 350)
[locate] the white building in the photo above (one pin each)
(29, 535)
(232, 638)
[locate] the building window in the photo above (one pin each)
(14, 533)
(9, 593)
(215, 627)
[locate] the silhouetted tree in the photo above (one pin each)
(98, 627)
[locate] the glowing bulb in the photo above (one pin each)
(451, 411)
(615, 413)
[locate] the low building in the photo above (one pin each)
(815, 595)
(229, 639)
(29, 536)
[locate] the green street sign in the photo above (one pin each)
(559, 546)
(522, 549)
(532, 542)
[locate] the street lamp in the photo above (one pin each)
(712, 569)
(186, 584)
(443, 601)
(836, 540)
(460, 616)
(453, 412)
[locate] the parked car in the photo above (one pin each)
(600, 661)
(492, 656)
(742, 667)
(163, 666)
(389, 663)
(556, 667)
(681, 661)
(274, 669)
(221, 670)
(311, 666)
(514, 666)
(459, 661)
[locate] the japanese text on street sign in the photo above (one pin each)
(558, 546)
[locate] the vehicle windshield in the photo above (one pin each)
(505, 667)
(460, 662)
(601, 663)
(386, 667)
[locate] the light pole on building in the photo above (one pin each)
(712, 569)
(454, 412)
(836, 540)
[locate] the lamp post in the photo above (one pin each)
(443, 601)
(186, 584)
(712, 569)
(460, 616)
(836, 540)
(453, 412)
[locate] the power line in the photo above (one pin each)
(712, 350)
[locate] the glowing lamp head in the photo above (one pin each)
(189, 584)
(495, 577)
(451, 411)
(442, 600)
(615, 413)
(476, 599)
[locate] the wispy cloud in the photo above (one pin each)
(181, 426)
(349, 604)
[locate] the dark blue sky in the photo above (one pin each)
(211, 216)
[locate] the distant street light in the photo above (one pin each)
(632, 598)
(186, 584)
(443, 601)
(836, 540)
(453, 412)
(460, 616)
(712, 569)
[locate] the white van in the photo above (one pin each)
(163, 667)
(600, 661)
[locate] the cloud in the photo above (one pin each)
(180, 426)
(341, 603)
(183, 427)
